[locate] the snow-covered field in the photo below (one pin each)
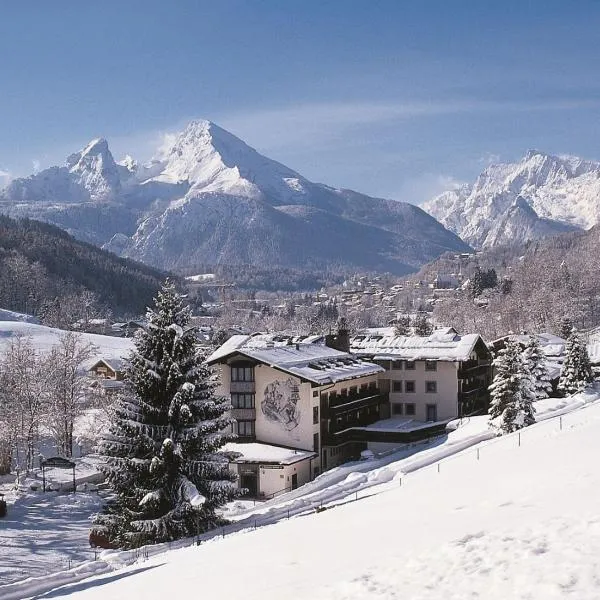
(512, 517)
(44, 338)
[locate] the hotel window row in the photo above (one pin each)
(410, 387)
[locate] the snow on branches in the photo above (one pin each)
(512, 391)
(162, 453)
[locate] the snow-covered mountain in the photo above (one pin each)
(538, 196)
(212, 199)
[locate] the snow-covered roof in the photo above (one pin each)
(551, 345)
(265, 453)
(313, 362)
(443, 344)
(116, 364)
(395, 424)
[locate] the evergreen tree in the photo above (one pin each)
(512, 392)
(422, 327)
(565, 327)
(576, 371)
(536, 364)
(476, 283)
(402, 326)
(162, 452)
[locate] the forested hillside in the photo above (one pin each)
(41, 265)
(550, 282)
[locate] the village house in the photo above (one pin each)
(298, 408)
(107, 375)
(429, 379)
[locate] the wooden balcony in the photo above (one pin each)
(352, 403)
(242, 387)
(244, 414)
(474, 368)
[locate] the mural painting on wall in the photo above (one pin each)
(281, 403)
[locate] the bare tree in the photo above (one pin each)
(65, 387)
(23, 400)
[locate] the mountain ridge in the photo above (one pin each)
(210, 197)
(562, 191)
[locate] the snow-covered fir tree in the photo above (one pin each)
(162, 452)
(565, 327)
(576, 370)
(402, 326)
(512, 391)
(536, 364)
(422, 327)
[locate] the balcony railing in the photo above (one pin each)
(242, 387)
(243, 414)
(472, 368)
(352, 403)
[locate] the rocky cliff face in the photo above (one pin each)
(540, 195)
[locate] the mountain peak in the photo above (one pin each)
(95, 169)
(212, 159)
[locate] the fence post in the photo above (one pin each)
(223, 531)
(560, 421)
(519, 439)
(288, 513)
(438, 467)
(477, 453)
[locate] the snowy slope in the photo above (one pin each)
(211, 198)
(44, 338)
(514, 518)
(538, 196)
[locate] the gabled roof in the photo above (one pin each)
(115, 364)
(443, 344)
(551, 344)
(312, 362)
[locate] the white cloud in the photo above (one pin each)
(5, 177)
(426, 186)
(36, 165)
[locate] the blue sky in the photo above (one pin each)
(392, 98)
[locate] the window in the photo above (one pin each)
(431, 387)
(409, 365)
(343, 392)
(396, 386)
(353, 390)
(431, 365)
(363, 387)
(315, 415)
(242, 400)
(316, 442)
(397, 365)
(410, 409)
(315, 393)
(245, 428)
(372, 385)
(409, 387)
(397, 409)
(239, 373)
